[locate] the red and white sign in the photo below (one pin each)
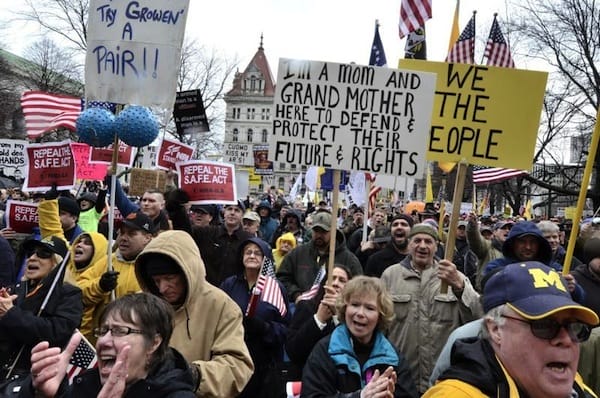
(207, 182)
(49, 163)
(84, 169)
(21, 216)
(104, 155)
(171, 152)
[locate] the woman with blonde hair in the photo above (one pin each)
(356, 357)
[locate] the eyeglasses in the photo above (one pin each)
(548, 329)
(256, 253)
(40, 252)
(116, 331)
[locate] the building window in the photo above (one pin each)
(235, 135)
(281, 166)
(235, 113)
(249, 135)
(265, 114)
(281, 183)
(250, 113)
(264, 135)
(253, 83)
(293, 166)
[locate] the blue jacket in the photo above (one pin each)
(333, 367)
(544, 253)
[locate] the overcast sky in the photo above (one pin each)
(324, 30)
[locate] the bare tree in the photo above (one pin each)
(9, 102)
(564, 34)
(52, 69)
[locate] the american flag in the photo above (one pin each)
(373, 198)
(497, 50)
(312, 292)
(46, 112)
(486, 175)
(83, 358)
(270, 292)
(413, 14)
(464, 49)
(377, 53)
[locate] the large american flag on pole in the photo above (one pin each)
(486, 175)
(497, 51)
(83, 358)
(463, 50)
(413, 14)
(45, 112)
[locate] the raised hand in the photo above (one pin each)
(49, 365)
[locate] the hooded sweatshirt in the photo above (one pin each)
(87, 278)
(544, 253)
(278, 255)
(208, 327)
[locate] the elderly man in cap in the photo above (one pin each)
(395, 250)
(486, 250)
(530, 340)
(251, 223)
(300, 267)
(424, 316)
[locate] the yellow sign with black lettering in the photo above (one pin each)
(485, 115)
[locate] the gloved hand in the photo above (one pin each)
(108, 280)
(255, 326)
(52, 193)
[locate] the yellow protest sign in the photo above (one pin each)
(485, 115)
(570, 213)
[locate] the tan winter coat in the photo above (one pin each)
(208, 326)
(424, 316)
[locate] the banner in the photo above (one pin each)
(12, 158)
(189, 113)
(84, 169)
(125, 156)
(134, 51)
(207, 182)
(21, 216)
(49, 163)
(262, 165)
(481, 115)
(351, 117)
(171, 152)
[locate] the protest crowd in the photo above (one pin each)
(245, 307)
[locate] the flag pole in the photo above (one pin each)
(334, 209)
(587, 173)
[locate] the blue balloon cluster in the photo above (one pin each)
(96, 127)
(136, 126)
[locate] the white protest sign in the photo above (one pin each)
(133, 51)
(351, 117)
(238, 153)
(12, 158)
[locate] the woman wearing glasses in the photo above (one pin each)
(134, 358)
(265, 322)
(35, 310)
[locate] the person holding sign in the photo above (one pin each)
(425, 317)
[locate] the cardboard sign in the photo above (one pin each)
(238, 153)
(207, 182)
(351, 117)
(49, 163)
(134, 50)
(84, 169)
(143, 180)
(189, 113)
(171, 152)
(21, 216)
(12, 158)
(262, 164)
(482, 114)
(104, 155)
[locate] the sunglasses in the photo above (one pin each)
(40, 252)
(548, 329)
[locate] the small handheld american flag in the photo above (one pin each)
(83, 358)
(312, 292)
